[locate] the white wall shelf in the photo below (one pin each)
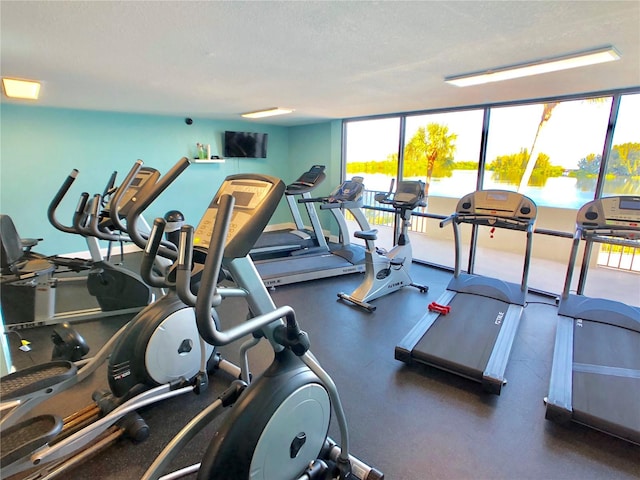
(204, 160)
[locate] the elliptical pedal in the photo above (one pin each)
(22, 439)
(35, 378)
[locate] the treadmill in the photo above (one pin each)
(471, 328)
(278, 243)
(595, 374)
(338, 259)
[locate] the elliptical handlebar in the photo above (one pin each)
(142, 204)
(110, 187)
(117, 196)
(79, 216)
(149, 256)
(86, 212)
(208, 293)
(183, 270)
(93, 224)
(55, 203)
(208, 296)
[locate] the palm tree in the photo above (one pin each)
(547, 110)
(434, 144)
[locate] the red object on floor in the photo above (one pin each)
(441, 309)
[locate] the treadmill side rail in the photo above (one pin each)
(493, 376)
(559, 401)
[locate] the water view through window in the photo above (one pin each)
(552, 152)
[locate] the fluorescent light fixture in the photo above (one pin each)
(270, 112)
(15, 88)
(583, 59)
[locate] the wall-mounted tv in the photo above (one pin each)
(245, 144)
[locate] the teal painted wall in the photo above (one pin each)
(40, 146)
(319, 144)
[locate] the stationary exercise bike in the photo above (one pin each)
(277, 428)
(156, 356)
(386, 272)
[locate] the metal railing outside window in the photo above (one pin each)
(619, 257)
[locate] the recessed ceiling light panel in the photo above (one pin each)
(270, 112)
(16, 88)
(583, 59)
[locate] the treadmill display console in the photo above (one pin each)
(497, 203)
(621, 212)
(311, 177)
(629, 203)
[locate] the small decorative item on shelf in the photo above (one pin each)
(202, 153)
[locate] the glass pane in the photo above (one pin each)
(563, 138)
(371, 151)
(443, 150)
(623, 169)
(614, 272)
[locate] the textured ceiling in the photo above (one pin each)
(324, 59)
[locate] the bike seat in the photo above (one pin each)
(397, 262)
(366, 234)
(16, 257)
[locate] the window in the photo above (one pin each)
(372, 153)
(442, 149)
(540, 150)
(622, 178)
(623, 168)
(550, 151)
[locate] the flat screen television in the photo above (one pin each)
(245, 145)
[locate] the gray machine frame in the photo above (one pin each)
(345, 259)
(387, 272)
(227, 234)
(294, 240)
(595, 374)
(475, 337)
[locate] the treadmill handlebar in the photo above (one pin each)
(447, 220)
(492, 221)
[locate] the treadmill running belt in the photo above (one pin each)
(606, 378)
(457, 344)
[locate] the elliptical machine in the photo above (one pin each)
(278, 426)
(117, 290)
(156, 356)
(387, 272)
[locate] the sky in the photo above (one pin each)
(576, 128)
